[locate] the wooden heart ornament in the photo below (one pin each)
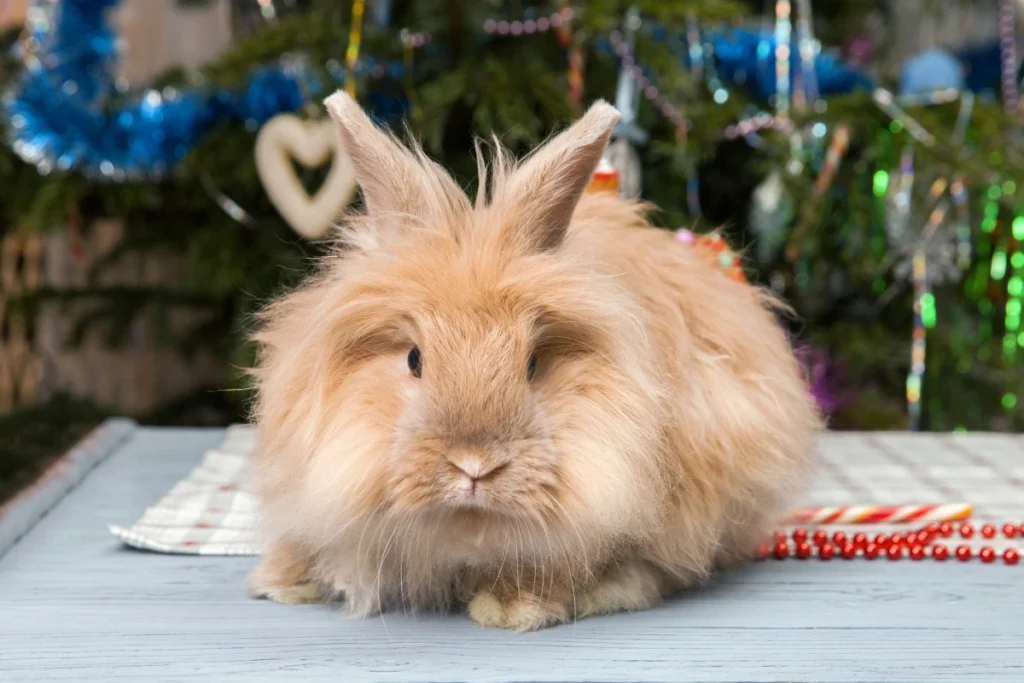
(312, 144)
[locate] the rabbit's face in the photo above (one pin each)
(458, 360)
(472, 432)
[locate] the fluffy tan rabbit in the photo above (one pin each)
(533, 406)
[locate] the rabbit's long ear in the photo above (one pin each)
(543, 192)
(393, 179)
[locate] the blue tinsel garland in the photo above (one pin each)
(65, 112)
(61, 115)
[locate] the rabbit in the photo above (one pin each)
(532, 406)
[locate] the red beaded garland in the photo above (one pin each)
(917, 544)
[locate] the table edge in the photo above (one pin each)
(21, 514)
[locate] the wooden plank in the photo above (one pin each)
(19, 515)
(74, 605)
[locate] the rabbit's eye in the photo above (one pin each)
(416, 362)
(531, 366)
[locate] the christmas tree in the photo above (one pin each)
(879, 200)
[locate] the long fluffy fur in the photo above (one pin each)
(667, 425)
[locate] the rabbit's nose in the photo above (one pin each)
(474, 468)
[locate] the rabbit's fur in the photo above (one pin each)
(663, 428)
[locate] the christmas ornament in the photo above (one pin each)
(575, 54)
(715, 248)
(880, 514)
(936, 243)
(355, 39)
(932, 70)
(1008, 55)
(605, 178)
(771, 212)
(626, 160)
(783, 54)
(312, 144)
(622, 153)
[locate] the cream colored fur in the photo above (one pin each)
(666, 427)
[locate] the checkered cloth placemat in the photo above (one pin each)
(212, 511)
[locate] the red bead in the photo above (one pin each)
(963, 553)
(849, 552)
(860, 540)
(987, 555)
(895, 551)
(1022, 528)
(781, 551)
(803, 551)
(800, 536)
(932, 528)
(1009, 530)
(924, 537)
(966, 530)
(940, 552)
(946, 529)
(871, 551)
(820, 537)
(896, 539)
(839, 538)
(781, 537)
(1011, 556)
(916, 553)
(762, 552)
(826, 551)
(912, 539)
(881, 540)
(988, 531)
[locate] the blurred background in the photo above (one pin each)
(864, 156)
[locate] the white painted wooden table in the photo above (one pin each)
(76, 605)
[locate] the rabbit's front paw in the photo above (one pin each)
(284, 577)
(521, 612)
(287, 594)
